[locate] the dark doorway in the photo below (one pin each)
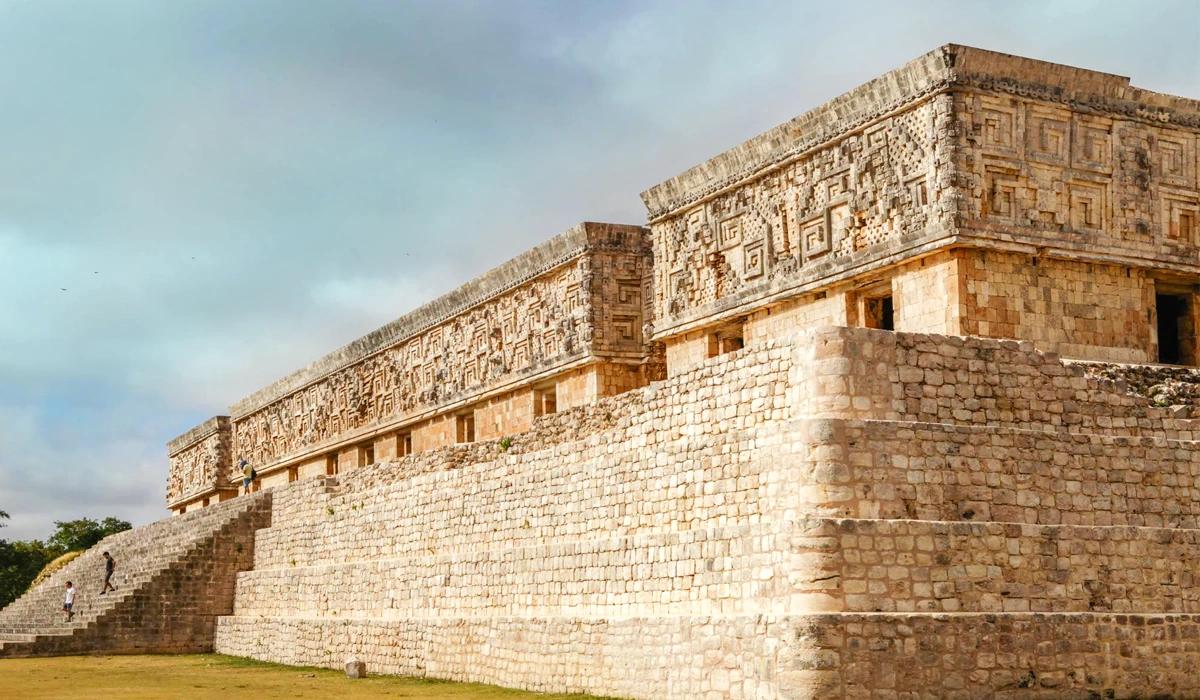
(879, 313)
(1172, 319)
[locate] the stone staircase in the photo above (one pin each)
(173, 578)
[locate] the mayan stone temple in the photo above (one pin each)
(848, 418)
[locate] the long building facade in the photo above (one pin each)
(559, 326)
(965, 193)
(840, 421)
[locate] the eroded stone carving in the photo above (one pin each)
(199, 459)
(1078, 178)
(837, 205)
(591, 306)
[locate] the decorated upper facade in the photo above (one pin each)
(966, 193)
(974, 192)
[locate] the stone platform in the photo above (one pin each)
(847, 513)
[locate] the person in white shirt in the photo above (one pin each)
(70, 601)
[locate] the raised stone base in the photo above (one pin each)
(792, 657)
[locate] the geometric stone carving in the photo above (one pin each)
(753, 260)
(1177, 159)
(1048, 134)
(1181, 217)
(531, 326)
(1089, 206)
(1092, 144)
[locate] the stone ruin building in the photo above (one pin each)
(843, 420)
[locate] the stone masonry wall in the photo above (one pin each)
(940, 472)
(1077, 309)
(859, 373)
(802, 519)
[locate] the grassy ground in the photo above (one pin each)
(224, 677)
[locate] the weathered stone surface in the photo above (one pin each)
(710, 538)
(501, 486)
(355, 668)
(981, 193)
(200, 463)
(554, 328)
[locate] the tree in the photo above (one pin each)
(20, 562)
(77, 535)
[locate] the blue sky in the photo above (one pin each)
(228, 190)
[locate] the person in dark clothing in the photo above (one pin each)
(109, 565)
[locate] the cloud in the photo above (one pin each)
(257, 184)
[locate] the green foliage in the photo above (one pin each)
(77, 535)
(20, 562)
(505, 443)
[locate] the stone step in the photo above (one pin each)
(32, 629)
(165, 602)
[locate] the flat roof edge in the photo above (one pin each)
(209, 427)
(946, 67)
(533, 263)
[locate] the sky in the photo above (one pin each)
(197, 198)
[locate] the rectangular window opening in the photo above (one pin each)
(879, 312)
(465, 428)
(404, 444)
(545, 401)
(727, 339)
(732, 343)
(1176, 342)
(331, 464)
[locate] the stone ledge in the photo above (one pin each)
(535, 262)
(797, 657)
(209, 427)
(947, 67)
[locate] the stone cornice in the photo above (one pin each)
(534, 263)
(938, 71)
(209, 427)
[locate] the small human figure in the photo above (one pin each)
(109, 565)
(69, 602)
(248, 475)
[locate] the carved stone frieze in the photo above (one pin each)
(832, 208)
(588, 307)
(199, 459)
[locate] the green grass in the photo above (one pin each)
(226, 677)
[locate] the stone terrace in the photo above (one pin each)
(845, 514)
